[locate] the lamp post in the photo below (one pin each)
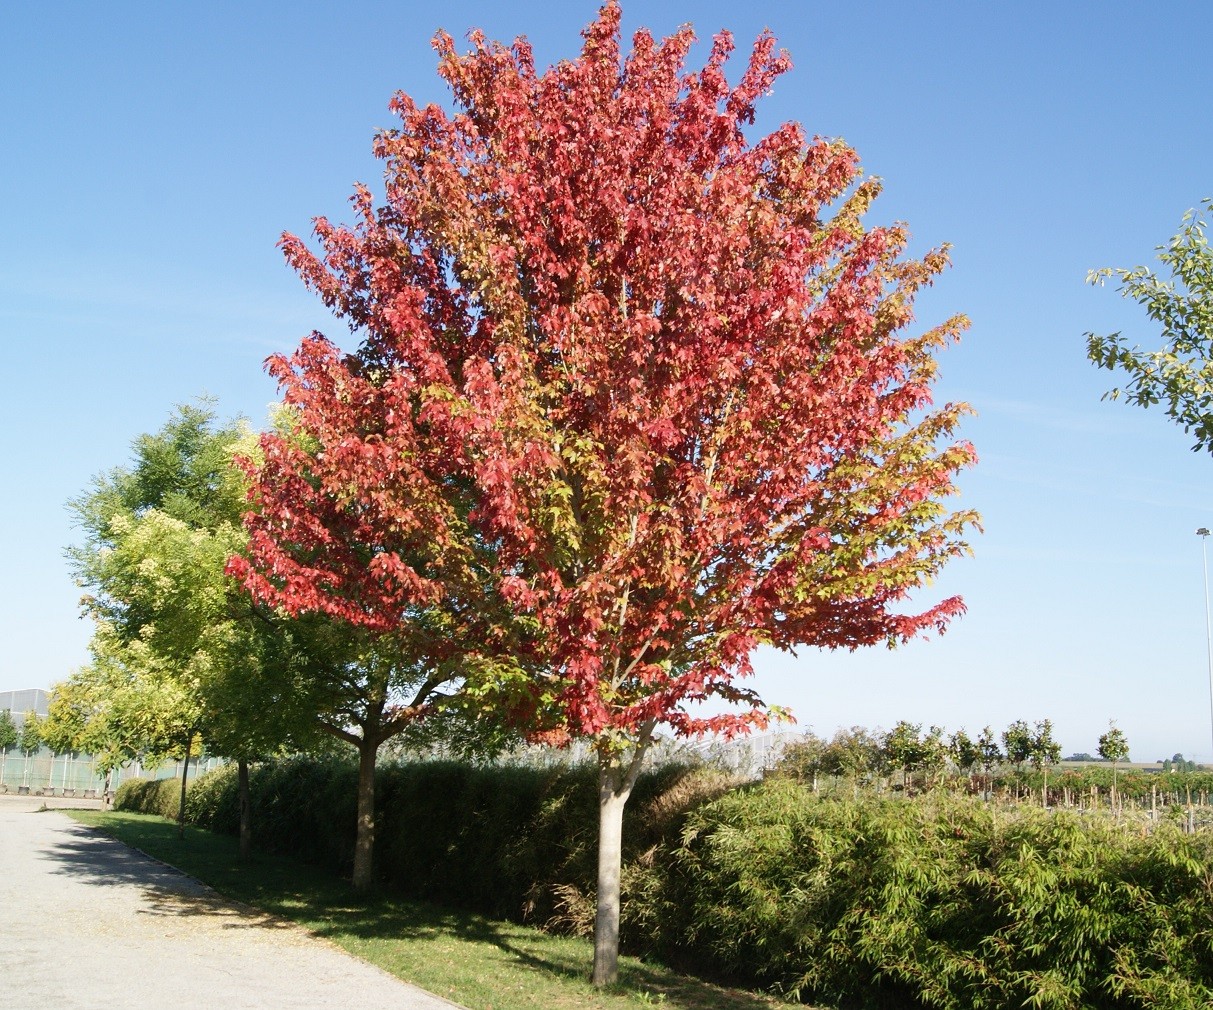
(1203, 533)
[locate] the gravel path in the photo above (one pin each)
(86, 922)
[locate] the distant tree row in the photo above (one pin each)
(1177, 763)
(26, 740)
(922, 759)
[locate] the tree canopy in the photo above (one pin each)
(1114, 747)
(8, 731)
(178, 647)
(30, 739)
(1179, 374)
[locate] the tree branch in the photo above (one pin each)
(340, 734)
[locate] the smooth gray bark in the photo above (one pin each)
(611, 803)
(617, 775)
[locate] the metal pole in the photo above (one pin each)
(1203, 533)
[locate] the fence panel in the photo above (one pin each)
(44, 773)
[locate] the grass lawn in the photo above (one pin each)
(480, 963)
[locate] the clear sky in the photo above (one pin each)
(151, 154)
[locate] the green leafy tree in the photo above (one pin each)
(964, 751)
(79, 719)
(66, 719)
(991, 756)
(933, 756)
(180, 648)
(1114, 747)
(30, 740)
(902, 748)
(806, 759)
(114, 712)
(131, 561)
(1017, 743)
(854, 754)
(9, 738)
(1043, 752)
(1179, 374)
(31, 733)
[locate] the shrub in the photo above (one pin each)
(942, 901)
(305, 808)
(212, 802)
(477, 838)
(514, 842)
(149, 796)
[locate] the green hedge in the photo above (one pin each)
(941, 901)
(517, 843)
(150, 796)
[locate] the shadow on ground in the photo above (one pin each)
(99, 860)
(269, 891)
(386, 919)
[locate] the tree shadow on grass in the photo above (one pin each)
(274, 892)
(385, 919)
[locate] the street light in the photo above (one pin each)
(1203, 533)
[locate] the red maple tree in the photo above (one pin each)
(634, 381)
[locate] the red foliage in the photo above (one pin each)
(624, 375)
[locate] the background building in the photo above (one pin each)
(20, 702)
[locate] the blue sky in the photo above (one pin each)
(152, 154)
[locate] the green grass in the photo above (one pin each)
(478, 962)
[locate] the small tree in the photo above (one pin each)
(964, 752)
(1114, 747)
(902, 748)
(9, 738)
(1017, 743)
(806, 758)
(120, 707)
(31, 733)
(31, 740)
(933, 759)
(854, 754)
(990, 756)
(1043, 752)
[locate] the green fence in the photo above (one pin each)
(47, 774)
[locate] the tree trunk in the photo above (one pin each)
(246, 809)
(612, 797)
(185, 770)
(364, 843)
